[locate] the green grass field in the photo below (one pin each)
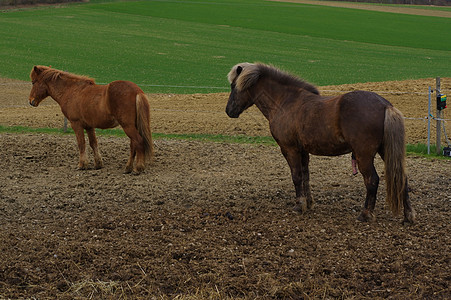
(189, 46)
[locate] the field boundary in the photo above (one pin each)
(375, 7)
(386, 92)
(203, 113)
(411, 149)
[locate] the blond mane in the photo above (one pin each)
(251, 73)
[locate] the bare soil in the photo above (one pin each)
(205, 113)
(211, 220)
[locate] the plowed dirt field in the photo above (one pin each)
(211, 220)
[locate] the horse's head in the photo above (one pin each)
(39, 90)
(240, 98)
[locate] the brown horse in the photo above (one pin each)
(302, 122)
(88, 106)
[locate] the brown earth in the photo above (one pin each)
(204, 113)
(399, 9)
(211, 220)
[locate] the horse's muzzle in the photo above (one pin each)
(231, 111)
(33, 102)
(232, 114)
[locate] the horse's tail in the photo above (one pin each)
(143, 124)
(394, 157)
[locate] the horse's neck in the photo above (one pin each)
(268, 100)
(55, 88)
(263, 102)
(58, 89)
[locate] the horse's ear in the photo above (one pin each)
(37, 70)
(238, 70)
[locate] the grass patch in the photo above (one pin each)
(422, 150)
(416, 149)
(219, 138)
(189, 46)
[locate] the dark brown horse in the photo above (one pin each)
(303, 122)
(88, 106)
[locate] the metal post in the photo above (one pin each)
(429, 121)
(65, 125)
(438, 118)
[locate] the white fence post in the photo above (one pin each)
(65, 125)
(439, 118)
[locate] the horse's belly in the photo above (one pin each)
(102, 123)
(108, 124)
(327, 149)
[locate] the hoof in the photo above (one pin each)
(310, 203)
(301, 205)
(82, 167)
(83, 163)
(366, 216)
(98, 165)
(409, 217)
(138, 170)
(128, 169)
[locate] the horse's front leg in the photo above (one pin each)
(298, 160)
(79, 133)
(305, 159)
(98, 163)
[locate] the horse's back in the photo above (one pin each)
(121, 97)
(362, 107)
(366, 97)
(121, 88)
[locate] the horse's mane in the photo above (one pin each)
(50, 74)
(251, 73)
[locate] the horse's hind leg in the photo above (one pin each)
(371, 179)
(98, 163)
(409, 213)
(136, 150)
(131, 159)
